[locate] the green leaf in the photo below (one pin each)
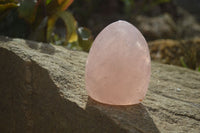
(27, 10)
(57, 5)
(57, 40)
(4, 7)
(69, 21)
(74, 46)
(64, 4)
(73, 37)
(8, 1)
(50, 26)
(85, 38)
(183, 62)
(39, 32)
(48, 1)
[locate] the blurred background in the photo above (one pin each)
(171, 27)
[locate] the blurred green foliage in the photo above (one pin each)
(146, 5)
(128, 5)
(43, 20)
(48, 20)
(191, 58)
(96, 14)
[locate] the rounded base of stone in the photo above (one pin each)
(115, 104)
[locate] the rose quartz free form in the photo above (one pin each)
(118, 66)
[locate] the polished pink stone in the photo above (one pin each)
(118, 67)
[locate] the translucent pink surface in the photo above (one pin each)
(118, 66)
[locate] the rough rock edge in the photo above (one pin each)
(166, 99)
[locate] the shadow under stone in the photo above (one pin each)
(133, 118)
(37, 105)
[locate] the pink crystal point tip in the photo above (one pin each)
(118, 67)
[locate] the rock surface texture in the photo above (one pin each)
(42, 90)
